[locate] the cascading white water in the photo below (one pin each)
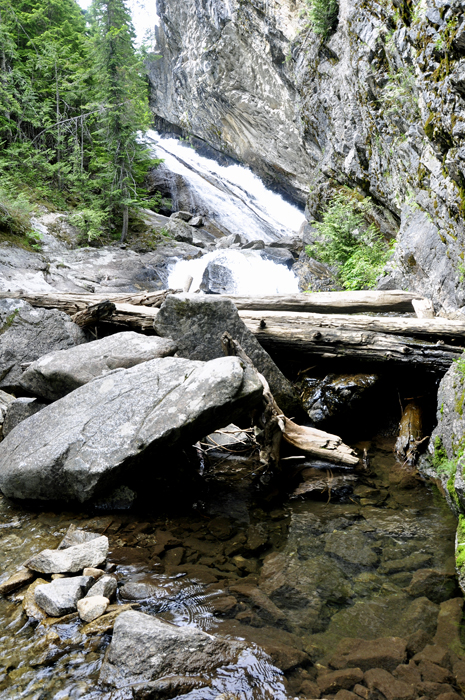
(237, 202)
(236, 199)
(251, 274)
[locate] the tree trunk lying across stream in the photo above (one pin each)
(395, 339)
(320, 302)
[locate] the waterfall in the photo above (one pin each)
(236, 201)
(232, 197)
(251, 275)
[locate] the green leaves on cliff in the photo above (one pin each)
(323, 15)
(72, 103)
(349, 243)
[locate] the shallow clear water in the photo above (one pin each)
(290, 576)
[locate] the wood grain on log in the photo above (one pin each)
(94, 313)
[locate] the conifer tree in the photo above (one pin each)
(119, 160)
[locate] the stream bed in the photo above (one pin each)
(290, 575)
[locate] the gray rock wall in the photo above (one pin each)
(379, 107)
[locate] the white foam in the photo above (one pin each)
(252, 275)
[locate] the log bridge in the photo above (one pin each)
(321, 324)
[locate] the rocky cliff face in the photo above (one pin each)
(378, 106)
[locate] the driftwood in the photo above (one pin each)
(273, 425)
(410, 435)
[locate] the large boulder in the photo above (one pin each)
(19, 410)
(58, 373)
(86, 441)
(144, 648)
(27, 333)
(196, 324)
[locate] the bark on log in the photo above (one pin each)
(273, 423)
(275, 323)
(315, 338)
(72, 302)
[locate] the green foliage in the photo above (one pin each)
(460, 365)
(91, 222)
(350, 243)
(15, 212)
(400, 94)
(323, 15)
(73, 107)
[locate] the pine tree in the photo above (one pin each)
(119, 160)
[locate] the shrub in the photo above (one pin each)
(323, 15)
(90, 222)
(349, 243)
(15, 212)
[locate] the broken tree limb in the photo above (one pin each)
(94, 313)
(410, 435)
(275, 424)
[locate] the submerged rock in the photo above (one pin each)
(385, 653)
(56, 374)
(16, 581)
(197, 324)
(144, 648)
(60, 597)
(86, 440)
(27, 333)
(333, 395)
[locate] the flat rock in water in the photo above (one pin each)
(16, 581)
(71, 559)
(196, 324)
(58, 373)
(84, 441)
(386, 653)
(27, 333)
(75, 535)
(144, 648)
(60, 597)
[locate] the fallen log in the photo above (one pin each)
(315, 338)
(94, 313)
(330, 302)
(318, 302)
(277, 324)
(273, 424)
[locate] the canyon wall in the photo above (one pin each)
(378, 106)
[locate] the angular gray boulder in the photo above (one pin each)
(72, 559)
(27, 333)
(58, 373)
(144, 648)
(85, 441)
(18, 410)
(60, 597)
(196, 324)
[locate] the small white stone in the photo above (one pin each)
(91, 608)
(95, 573)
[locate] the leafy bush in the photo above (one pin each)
(349, 243)
(90, 222)
(323, 15)
(15, 212)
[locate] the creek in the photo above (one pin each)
(349, 558)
